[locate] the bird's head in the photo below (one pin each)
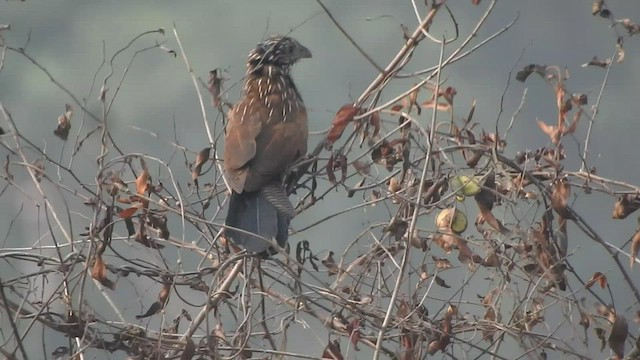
(278, 50)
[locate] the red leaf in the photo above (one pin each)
(344, 116)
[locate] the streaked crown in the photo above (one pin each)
(277, 50)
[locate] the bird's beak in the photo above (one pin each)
(303, 52)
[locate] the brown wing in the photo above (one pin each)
(259, 148)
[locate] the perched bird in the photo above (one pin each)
(267, 132)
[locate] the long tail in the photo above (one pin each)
(265, 213)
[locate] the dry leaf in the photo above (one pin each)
(595, 61)
(344, 116)
(440, 281)
(214, 85)
(142, 182)
(485, 200)
(441, 263)
(38, 172)
(189, 350)
(618, 335)
(127, 213)
(559, 198)
(64, 123)
(201, 159)
(332, 351)
(599, 278)
(99, 272)
(625, 206)
(330, 264)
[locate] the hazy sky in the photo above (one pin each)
(68, 38)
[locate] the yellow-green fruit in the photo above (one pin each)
(452, 219)
(465, 185)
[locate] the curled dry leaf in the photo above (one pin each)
(332, 351)
(99, 272)
(485, 200)
(631, 27)
(201, 159)
(64, 123)
(330, 264)
(595, 61)
(560, 197)
(625, 206)
(440, 282)
(618, 335)
(599, 278)
(523, 74)
(142, 182)
(344, 116)
(441, 263)
(596, 7)
(189, 350)
(214, 86)
(38, 172)
(488, 332)
(127, 213)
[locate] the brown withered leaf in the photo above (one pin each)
(523, 74)
(596, 7)
(635, 246)
(618, 335)
(597, 277)
(330, 264)
(560, 197)
(99, 272)
(189, 350)
(491, 260)
(38, 172)
(64, 123)
(620, 52)
(153, 309)
(600, 333)
(595, 61)
(337, 162)
(585, 320)
(361, 167)
(344, 116)
(631, 27)
(552, 131)
(131, 229)
(214, 86)
(201, 159)
(476, 155)
(127, 213)
(490, 316)
(374, 120)
(332, 351)
(440, 281)
(485, 200)
(446, 241)
(441, 263)
(397, 228)
(142, 182)
(625, 206)
(353, 329)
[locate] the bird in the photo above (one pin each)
(266, 133)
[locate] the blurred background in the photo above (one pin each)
(73, 40)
